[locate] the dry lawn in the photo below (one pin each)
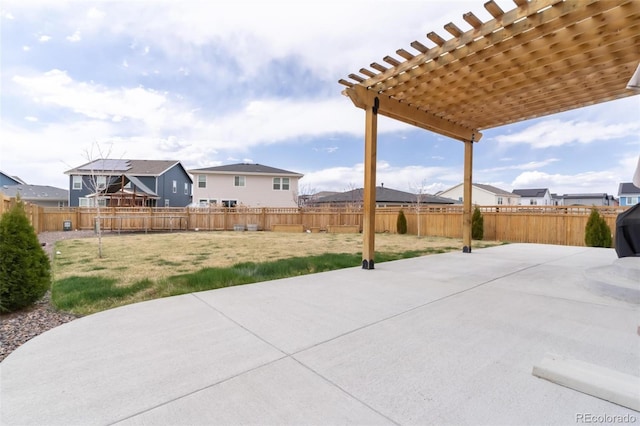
(133, 257)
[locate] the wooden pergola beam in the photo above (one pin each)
(389, 107)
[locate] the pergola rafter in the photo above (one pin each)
(540, 58)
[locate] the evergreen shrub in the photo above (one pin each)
(477, 225)
(25, 271)
(597, 233)
(401, 224)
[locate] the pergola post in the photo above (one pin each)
(369, 196)
(466, 196)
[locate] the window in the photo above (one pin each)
(202, 181)
(166, 201)
(499, 200)
(203, 202)
(128, 185)
(77, 182)
(238, 181)
(533, 202)
(229, 203)
(91, 202)
(280, 184)
(101, 182)
(186, 188)
(175, 188)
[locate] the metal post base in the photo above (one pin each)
(367, 264)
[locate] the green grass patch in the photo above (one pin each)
(82, 295)
(86, 295)
(250, 272)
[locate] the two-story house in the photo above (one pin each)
(119, 182)
(482, 195)
(8, 180)
(534, 197)
(251, 185)
(628, 194)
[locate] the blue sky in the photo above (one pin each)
(212, 83)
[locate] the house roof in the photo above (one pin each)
(534, 192)
(16, 179)
(493, 189)
(35, 192)
(246, 168)
(628, 188)
(120, 166)
(384, 195)
(598, 195)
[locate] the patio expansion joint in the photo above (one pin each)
(219, 382)
(406, 311)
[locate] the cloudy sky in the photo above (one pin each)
(212, 83)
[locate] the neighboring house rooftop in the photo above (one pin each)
(246, 168)
(125, 167)
(493, 189)
(531, 193)
(35, 192)
(628, 188)
(589, 195)
(384, 195)
(15, 179)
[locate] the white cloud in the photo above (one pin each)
(44, 38)
(75, 37)
(403, 178)
(531, 165)
(557, 132)
(6, 15)
(26, 48)
(95, 13)
(587, 182)
(31, 118)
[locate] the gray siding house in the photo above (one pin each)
(385, 197)
(152, 183)
(41, 195)
(595, 199)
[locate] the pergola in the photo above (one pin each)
(540, 58)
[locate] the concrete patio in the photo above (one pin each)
(442, 339)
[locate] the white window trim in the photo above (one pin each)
(76, 179)
(239, 181)
(101, 182)
(202, 181)
(279, 183)
(175, 187)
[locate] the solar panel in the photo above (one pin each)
(107, 164)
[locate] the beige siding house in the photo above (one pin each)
(483, 195)
(243, 184)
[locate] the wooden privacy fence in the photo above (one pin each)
(564, 225)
